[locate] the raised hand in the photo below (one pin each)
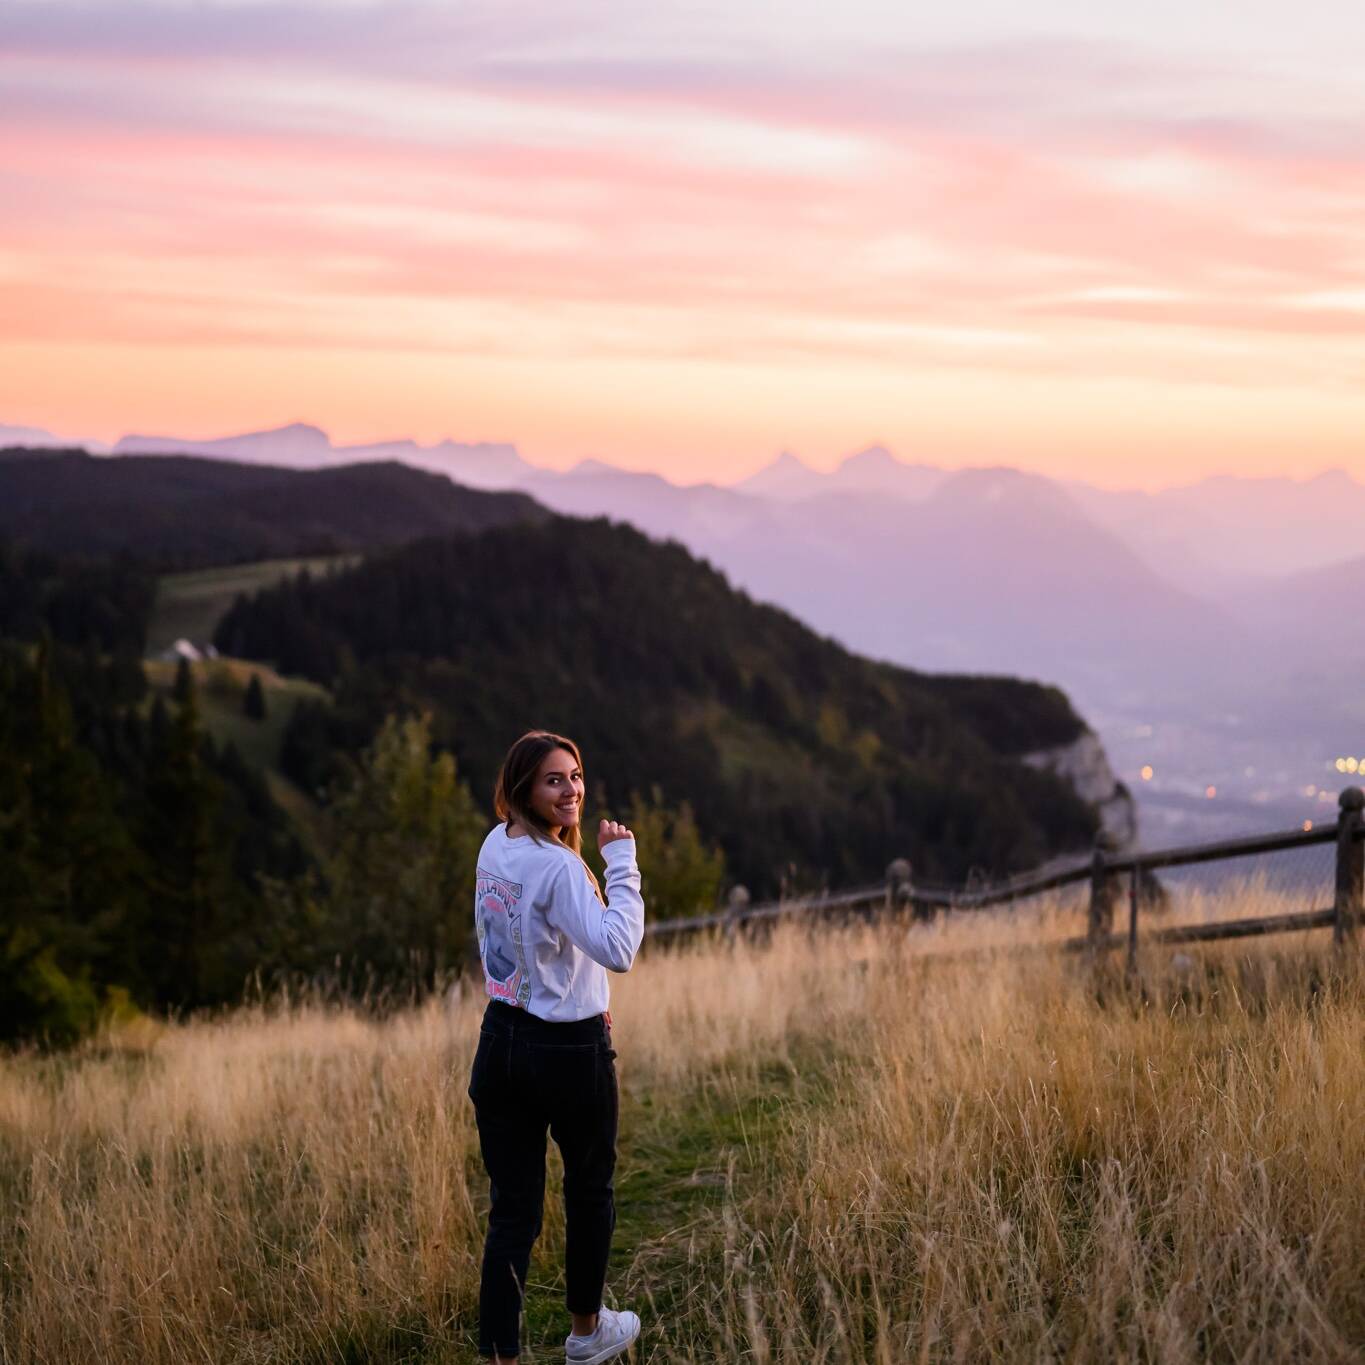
(611, 830)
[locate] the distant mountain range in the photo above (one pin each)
(874, 470)
(985, 570)
(1201, 628)
(1205, 537)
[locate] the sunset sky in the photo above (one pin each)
(1115, 241)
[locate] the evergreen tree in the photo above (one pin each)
(308, 754)
(190, 896)
(184, 681)
(253, 704)
(393, 901)
(77, 601)
(681, 874)
(127, 679)
(68, 869)
(158, 723)
(131, 849)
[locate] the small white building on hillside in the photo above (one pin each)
(187, 649)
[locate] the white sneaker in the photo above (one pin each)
(615, 1333)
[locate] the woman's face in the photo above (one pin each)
(557, 792)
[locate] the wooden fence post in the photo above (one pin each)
(1350, 866)
(1134, 878)
(1101, 923)
(736, 903)
(897, 885)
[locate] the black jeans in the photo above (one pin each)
(530, 1076)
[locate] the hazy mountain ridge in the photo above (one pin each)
(490, 465)
(995, 571)
(992, 569)
(1299, 605)
(1208, 534)
(873, 469)
(37, 438)
(297, 445)
(1256, 528)
(193, 511)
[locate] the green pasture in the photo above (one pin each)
(190, 605)
(221, 685)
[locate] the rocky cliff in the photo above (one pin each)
(1085, 766)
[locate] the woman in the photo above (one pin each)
(547, 937)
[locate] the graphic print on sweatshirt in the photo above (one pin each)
(498, 923)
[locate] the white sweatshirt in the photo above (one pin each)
(544, 937)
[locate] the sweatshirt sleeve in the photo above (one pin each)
(609, 935)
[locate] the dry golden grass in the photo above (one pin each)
(832, 1151)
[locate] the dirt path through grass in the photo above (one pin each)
(683, 1159)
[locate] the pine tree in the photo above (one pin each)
(307, 755)
(680, 873)
(191, 891)
(393, 901)
(184, 681)
(127, 679)
(253, 703)
(158, 723)
(68, 870)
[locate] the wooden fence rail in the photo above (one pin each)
(1104, 870)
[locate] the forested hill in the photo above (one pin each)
(184, 512)
(800, 759)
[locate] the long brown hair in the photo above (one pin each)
(518, 773)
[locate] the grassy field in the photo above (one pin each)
(190, 605)
(222, 685)
(832, 1150)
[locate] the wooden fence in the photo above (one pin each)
(1105, 871)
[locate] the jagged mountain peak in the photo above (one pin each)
(291, 429)
(593, 468)
(788, 476)
(871, 457)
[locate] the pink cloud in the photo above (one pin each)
(275, 179)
